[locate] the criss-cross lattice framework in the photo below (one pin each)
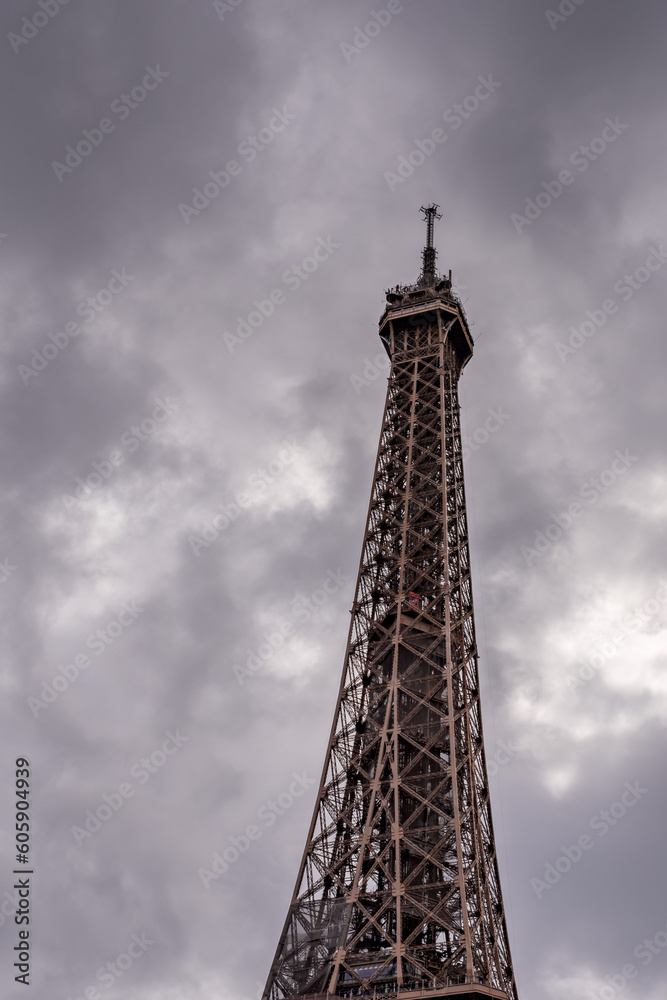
(398, 888)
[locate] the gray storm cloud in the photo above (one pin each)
(208, 150)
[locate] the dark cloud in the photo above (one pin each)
(339, 122)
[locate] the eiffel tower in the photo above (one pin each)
(398, 892)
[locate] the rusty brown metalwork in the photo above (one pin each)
(398, 892)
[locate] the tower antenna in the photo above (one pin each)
(429, 253)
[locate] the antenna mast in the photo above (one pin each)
(429, 253)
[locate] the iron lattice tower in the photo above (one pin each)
(398, 892)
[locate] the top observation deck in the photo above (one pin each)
(420, 317)
(428, 311)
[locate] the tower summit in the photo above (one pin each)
(398, 893)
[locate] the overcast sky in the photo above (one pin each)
(167, 350)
